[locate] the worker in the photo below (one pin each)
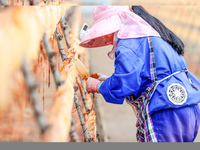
(150, 73)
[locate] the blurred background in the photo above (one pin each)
(180, 16)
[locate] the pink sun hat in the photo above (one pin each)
(105, 21)
(118, 19)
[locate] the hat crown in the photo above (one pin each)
(102, 12)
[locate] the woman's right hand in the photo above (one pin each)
(91, 85)
(102, 77)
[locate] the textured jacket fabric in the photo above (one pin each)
(132, 73)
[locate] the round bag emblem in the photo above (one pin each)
(177, 94)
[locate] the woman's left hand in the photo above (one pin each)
(102, 77)
(91, 85)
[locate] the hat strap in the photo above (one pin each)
(112, 52)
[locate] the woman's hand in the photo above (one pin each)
(91, 85)
(101, 77)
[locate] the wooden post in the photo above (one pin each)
(73, 134)
(60, 46)
(82, 120)
(34, 97)
(50, 55)
(65, 31)
(83, 93)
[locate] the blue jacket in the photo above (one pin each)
(132, 73)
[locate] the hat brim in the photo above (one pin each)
(94, 38)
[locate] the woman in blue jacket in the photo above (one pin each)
(150, 73)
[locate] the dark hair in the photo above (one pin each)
(164, 32)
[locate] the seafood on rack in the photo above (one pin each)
(18, 39)
(60, 112)
(22, 40)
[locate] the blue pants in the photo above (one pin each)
(177, 125)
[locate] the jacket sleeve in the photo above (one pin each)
(126, 79)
